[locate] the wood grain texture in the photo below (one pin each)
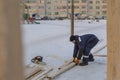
(10, 41)
(113, 39)
(2, 42)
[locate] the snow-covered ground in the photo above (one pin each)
(50, 39)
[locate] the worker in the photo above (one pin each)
(82, 48)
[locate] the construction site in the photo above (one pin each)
(22, 41)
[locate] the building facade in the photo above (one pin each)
(62, 8)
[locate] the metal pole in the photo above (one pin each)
(72, 17)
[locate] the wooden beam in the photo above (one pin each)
(10, 41)
(43, 74)
(99, 49)
(57, 72)
(31, 71)
(113, 40)
(100, 55)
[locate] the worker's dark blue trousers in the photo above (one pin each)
(87, 48)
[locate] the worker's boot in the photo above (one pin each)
(91, 58)
(84, 62)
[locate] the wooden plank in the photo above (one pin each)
(100, 55)
(10, 41)
(113, 40)
(99, 49)
(67, 63)
(57, 72)
(31, 71)
(43, 74)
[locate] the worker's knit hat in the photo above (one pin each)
(73, 37)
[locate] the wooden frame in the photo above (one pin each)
(11, 45)
(11, 67)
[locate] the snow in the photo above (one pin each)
(50, 39)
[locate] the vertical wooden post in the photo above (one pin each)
(72, 17)
(113, 39)
(10, 41)
(2, 43)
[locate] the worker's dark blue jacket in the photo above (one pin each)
(83, 44)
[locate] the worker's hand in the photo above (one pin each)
(75, 59)
(78, 62)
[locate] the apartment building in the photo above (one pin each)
(97, 8)
(62, 8)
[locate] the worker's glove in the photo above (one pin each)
(74, 59)
(77, 62)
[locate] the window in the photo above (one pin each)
(48, 2)
(41, 1)
(76, 7)
(29, 7)
(83, 6)
(90, 2)
(97, 13)
(41, 7)
(90, 7)
(104, 6)
(104, 1)
(56, 13)
(104, 12)
(68, 1)
(31, 1)
(83, 1)
(76, 1)
(97, 2)
(97, 7)
(64, 7)
(83, 12)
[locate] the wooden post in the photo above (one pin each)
(2, 43)
(113, 39)
(10, 41)
(72, 17)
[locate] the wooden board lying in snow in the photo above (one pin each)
(67, 63)
(100, 55)
(43, 74)
(98, 49)
(58, 71)
(31, 71)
